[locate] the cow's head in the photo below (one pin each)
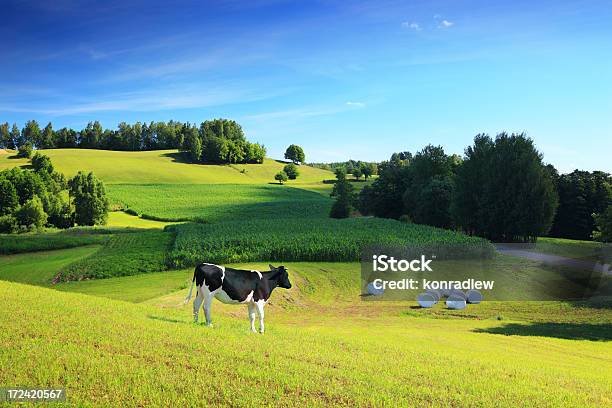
(282, 276)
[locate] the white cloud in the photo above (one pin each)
(356, 104)
(446, 23)
(412, 25)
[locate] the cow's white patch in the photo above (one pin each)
(223, 297)
(258, 273)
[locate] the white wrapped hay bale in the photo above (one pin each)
(456, 302)
(426, 300)
(458, 293)
(474, 296)
(435, 293)
(374, 291)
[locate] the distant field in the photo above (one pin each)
(163, 166)
(218, 202)
(15, 244)
(304, 239)
(570, 248)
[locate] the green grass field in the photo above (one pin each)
(163, 166)
(219, 202)
(129, 340)
(110, 352)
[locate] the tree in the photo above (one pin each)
(193, 144)
(25, 150)
(292, 171)
(5, 137)
(31, 133)
(32, 215)
(41, 163)
(433, 203)
(89, 195)
(281, 177)
(603, 222)
(15, 137)
(357, 172)
(9, 201)
(368, 169)
(47, 140)
(503, 191)
(581, 194)
(295, 153)
(91, 136)
(345, 197)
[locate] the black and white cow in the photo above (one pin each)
(236, 286)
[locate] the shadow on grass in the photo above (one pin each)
(570, 331)
(178, 157)
(165, 319)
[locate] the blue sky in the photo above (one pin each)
(344, 79)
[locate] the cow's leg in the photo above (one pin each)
(196, 304)
(252, 316)
(260, 311)
(208, 298)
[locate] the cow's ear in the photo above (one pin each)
(271, 267)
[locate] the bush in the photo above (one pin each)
(292, 171)
(8, 224)
(281, 177)
(25, 150)
(90, 199)
(295, 153)
(31, 215)
(40, 163)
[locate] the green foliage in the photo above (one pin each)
(41, 163)
(8, 225)
(9, 201)
(193, 144)
(123, 254)
(218, 202)
(357, 172)
(25, 150)
(344, 194)
(301, 240)
(281, 177)
(32, 215)
(503, 191)
(90, 199)
(604, 225)
(295, 153)
(16, 244)
(292, 171)
(31, 134)
(581, 194)
(368, 169)
(6, 141)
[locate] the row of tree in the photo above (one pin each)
(357, 168)
(500, 190)
(39, 197)
(214, 141)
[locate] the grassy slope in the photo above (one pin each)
(115, 353)
(39, 268)
(163, 166)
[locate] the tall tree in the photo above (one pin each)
(31, 133)
(344, 194)
(47, 140)
(503, 191)
(90, 199)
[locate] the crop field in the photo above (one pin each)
(300, 239)
(163, 166)
(218, 202)
(123, 254)
(15, 244)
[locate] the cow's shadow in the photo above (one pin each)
(570, 331)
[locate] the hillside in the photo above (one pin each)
(110, 352)
(164, 167)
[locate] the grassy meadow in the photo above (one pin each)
(100, 311)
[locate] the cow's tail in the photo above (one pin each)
(188, 298)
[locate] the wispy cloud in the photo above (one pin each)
(412, 25)
(446, 24)
(356, 104)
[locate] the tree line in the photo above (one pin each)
(31, 199)
(500, 190)
(213, 141)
